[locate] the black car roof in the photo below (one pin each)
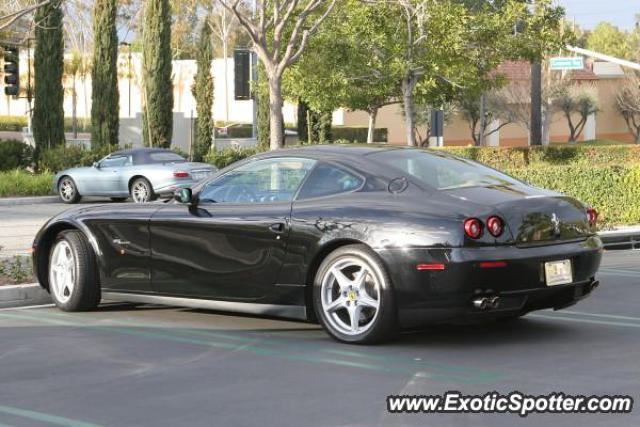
(331, 151)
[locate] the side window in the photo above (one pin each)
(114, 162)
(326, 180)
(262, 181)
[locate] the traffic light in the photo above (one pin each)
(242, 68)
(11, 70)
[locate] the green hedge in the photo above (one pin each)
(14, 155)
(358, 134)
(614, 190)
(16, 123)
(522, 157)
(23, 183)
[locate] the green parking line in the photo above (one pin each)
(295, 351)
(45, 418)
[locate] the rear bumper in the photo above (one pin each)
(447, 295)
(167, 190)
(511, 304)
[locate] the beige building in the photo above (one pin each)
(606, 124)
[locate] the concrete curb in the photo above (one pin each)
(621, 239)
(23, 295)
(14, 201)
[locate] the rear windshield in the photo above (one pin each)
(165, 157)
(441, 171)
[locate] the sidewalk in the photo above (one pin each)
(35, 200)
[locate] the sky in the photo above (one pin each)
(588, 13)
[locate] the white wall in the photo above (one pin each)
(183, 76)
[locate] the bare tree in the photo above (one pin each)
(17, 9)
(576, 100)
(280, 31)
(628, 104)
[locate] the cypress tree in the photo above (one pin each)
(105, 107)
(48, 111)
(156, 69)
(203, 93)
(303, 125)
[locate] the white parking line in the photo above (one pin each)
(604, 316)
(590, 321)
(28, 307)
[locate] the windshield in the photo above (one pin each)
(441, 171)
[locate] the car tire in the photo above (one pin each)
(353, 298)
(118, 199)
(141, 191)
(68, 190)
(73, 275)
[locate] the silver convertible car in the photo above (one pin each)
(142, 173)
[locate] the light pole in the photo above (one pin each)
(128, 46)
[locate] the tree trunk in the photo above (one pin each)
(226, 81)
(546, 125)
(483, 120)
(536, 104)
(74, 109)
(373, 114)
(276, 134)
(408, 83)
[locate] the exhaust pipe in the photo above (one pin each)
(494, 303)
(481, 303)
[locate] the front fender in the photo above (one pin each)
(44, 240)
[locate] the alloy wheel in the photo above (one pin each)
(67, 190)
(62, 272)
(351, 296)
(140, 192)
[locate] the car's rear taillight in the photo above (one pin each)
(181, 174)
(495, 225)
(473, 228)
(592, 216)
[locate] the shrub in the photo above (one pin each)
(223, 158)
(22, 183)
(12, 123)
(65, 157)
(14, 155)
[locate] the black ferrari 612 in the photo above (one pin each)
(364, 240)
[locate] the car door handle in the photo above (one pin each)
(278, 227)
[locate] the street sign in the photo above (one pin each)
(568, 63)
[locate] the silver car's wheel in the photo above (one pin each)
(68, 191)
(62, 271)
(350, 296)
(73, 278)
(353, 296)
(141, 191)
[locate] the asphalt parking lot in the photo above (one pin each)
(154, 366)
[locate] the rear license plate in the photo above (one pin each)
(558, 272)
(197, 176)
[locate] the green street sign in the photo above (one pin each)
(569, 63)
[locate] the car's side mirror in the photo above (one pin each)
(183, 195)
(96, 165)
